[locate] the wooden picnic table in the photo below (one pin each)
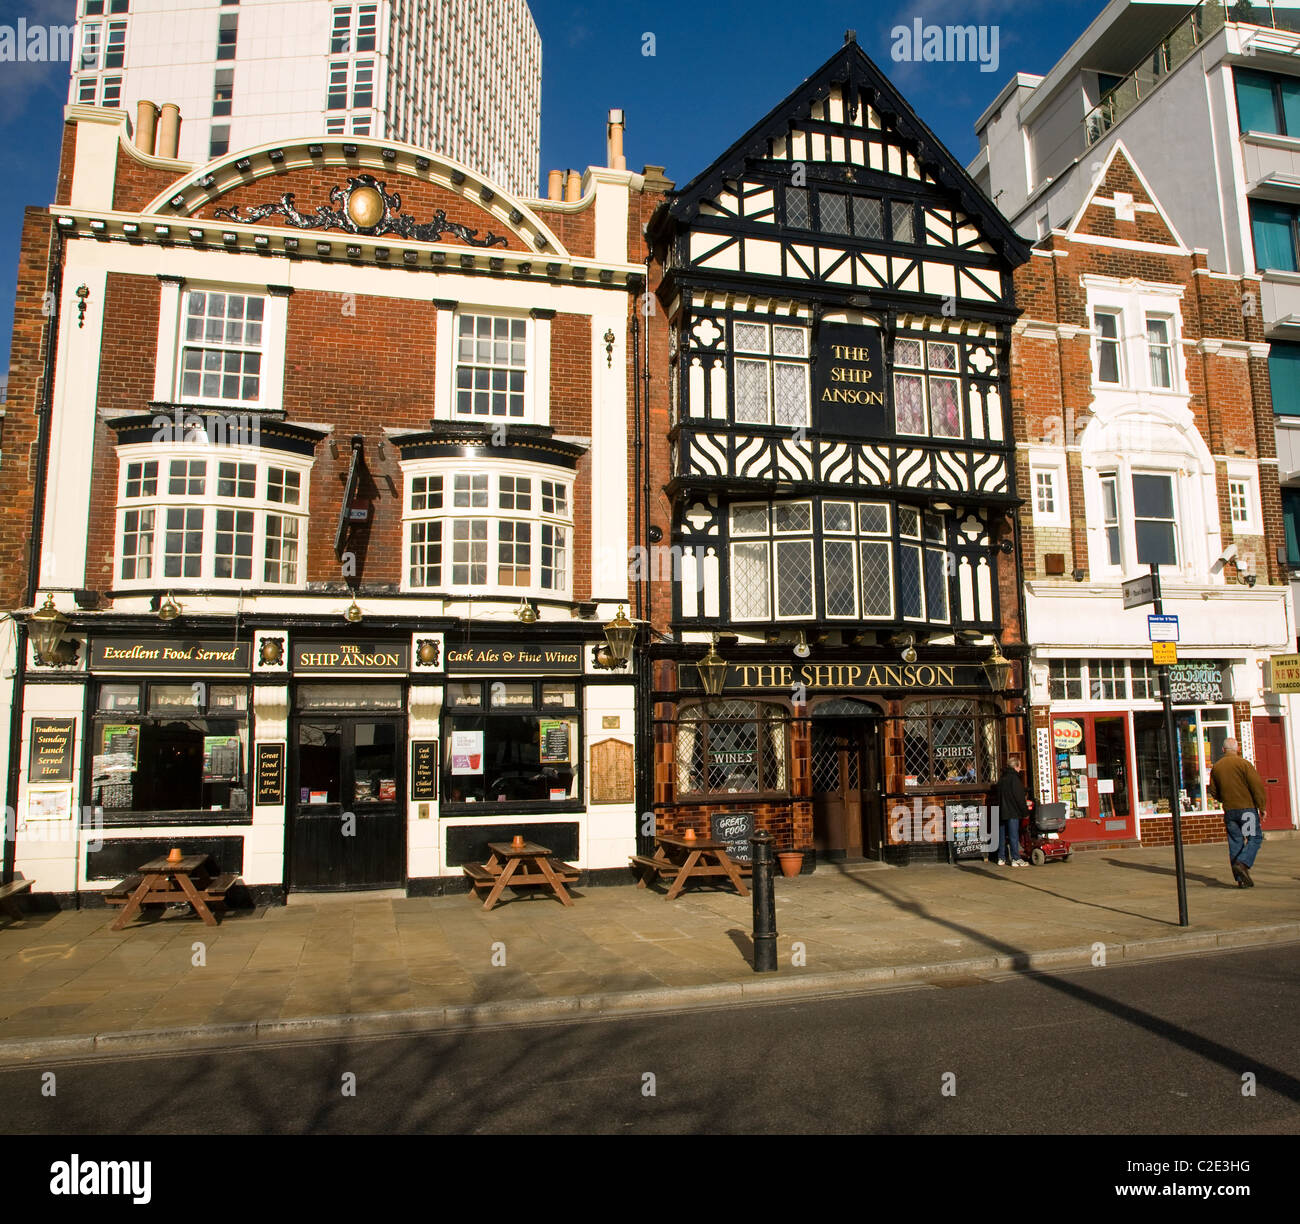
(161, 882)
(688, 858)
(509, 866)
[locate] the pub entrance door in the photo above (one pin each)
(847, 814)
(348, 825)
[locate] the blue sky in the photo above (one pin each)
(717, 68)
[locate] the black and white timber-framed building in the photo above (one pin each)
(840, 475)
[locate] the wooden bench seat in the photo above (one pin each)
(566, 871)
(478, 874)
(218, 888)
(9, 894)
(654, 864)
(121, 892)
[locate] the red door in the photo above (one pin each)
(1092, 776)
(1270, 760)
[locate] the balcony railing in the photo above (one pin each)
(1200, 24)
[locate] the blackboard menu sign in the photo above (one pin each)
(424, 769)
(270, 774)
(734, 828)
(51, 750)
(1196, 683)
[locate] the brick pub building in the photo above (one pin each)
(1144, 430)
(840, 475)
(308, 455)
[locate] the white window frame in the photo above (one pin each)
(1117, 340)
(1132, 302)
(537, 371)
(210, 502)
(171, 341)
(1247, 476)
(1052, 466)
(1123, 473)
(494, 515)
(771, 360)
(1169, 349)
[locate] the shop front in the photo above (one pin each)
(1103, 752)
(845, 759)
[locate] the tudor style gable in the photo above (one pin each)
(839, 296)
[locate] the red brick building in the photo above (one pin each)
(322, 452)
(1144, 430)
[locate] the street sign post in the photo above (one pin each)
(1139, 591)
(1164, 653)
(1162, 628)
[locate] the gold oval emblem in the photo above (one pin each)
(365, 207)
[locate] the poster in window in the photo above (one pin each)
(467, 752)
(120, 738)
(553, 736)
(221, 758)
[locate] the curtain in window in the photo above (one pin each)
(1255, 103)
(1284, 377)
(1274, 245)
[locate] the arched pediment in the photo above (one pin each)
(1138, 432)
(361, 186)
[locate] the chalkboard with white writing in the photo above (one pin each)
(734, 828)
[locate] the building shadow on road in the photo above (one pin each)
(1233, 1060)
(1156, 869)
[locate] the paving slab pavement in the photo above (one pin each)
(333, 966)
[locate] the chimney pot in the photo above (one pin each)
(614, 140)
(146, 125)
(169, 130)
(573, 192)
(555, 185)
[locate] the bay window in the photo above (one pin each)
(876, 563)
(189, 518)
(496, 530)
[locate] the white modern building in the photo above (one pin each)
(463, 77)
(1207, 102)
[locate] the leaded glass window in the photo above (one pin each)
(950, 741)
(731, 747)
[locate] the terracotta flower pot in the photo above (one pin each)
(174, 855)
(517, 842)
(689, 835)
(791, 862)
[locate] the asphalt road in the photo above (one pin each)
(1157, 1048)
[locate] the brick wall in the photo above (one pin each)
(32, 331)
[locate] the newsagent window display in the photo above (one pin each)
(161, 748)
(1200, 734)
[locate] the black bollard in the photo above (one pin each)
(764, 904)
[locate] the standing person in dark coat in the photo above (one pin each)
(1012, 809)
(1236, 784)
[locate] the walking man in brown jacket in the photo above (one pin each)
(1236, 784)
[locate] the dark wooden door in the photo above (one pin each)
(348, 827)
(1270, 760)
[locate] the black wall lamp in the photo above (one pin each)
(47, 628)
